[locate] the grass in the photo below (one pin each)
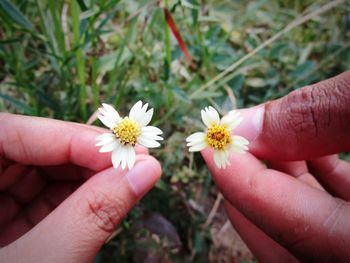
(62, 59)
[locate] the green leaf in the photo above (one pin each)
(15, 14)
(17, 104)
(180, 94)
(236, 83)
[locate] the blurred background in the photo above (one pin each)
(62, 59)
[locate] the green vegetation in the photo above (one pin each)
(61, 59)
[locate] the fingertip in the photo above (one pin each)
(252, 122)
(141, 150)
(144, 175)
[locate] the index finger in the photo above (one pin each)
(41, 141)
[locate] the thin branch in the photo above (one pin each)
(213, 210)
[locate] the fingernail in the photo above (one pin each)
(142, 177)
(252, 123)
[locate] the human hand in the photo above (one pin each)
(298, 208)
(60, 199)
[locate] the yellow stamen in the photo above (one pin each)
(127, 131)
(218, 136)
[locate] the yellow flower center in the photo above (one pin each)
(218, 136)
(127, 131)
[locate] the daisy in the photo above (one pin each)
(126, 133)
(218, 135)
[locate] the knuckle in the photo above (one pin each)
(103, 212)
(302, 112)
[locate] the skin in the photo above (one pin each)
(60, 199)
(297, 207)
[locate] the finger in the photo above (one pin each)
(11, 175)
(334, 175)
(40, 141)
(28, 187)
(67, 171)
(298, 169)
(77, 229)
(8, 209)
(262, 246)
(308, 123)
(305, 220)
(17, 222)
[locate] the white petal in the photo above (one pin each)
(131, 157)
(124, 158)
(232, 119)
(148, 143)
(136, 111)
(210, 116)
(239, 144)
(197, 136)
(205, 118)
(106, 140)
(104, 135)
(146, 119)
(213, 114)
(151, 129)
(150, 136)
(197, 147)
(221, 158)
(106, 121)
(117, 156)
(109, 147)
(110, 112)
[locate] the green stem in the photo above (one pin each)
(75, 12)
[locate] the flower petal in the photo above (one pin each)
(197, 147)
(106, 140)
(151, 129)
(221, 158)
(205, 118)
(232, 119)
(111, 113)
(146, 119)
(106, 121)
(239, 144)
(214, 115)
(109, 147)
(136, 111)
(104, 136)
(197, 136)
(131, 157)
(150, 136)
(210, 116)
(117, 156)
(148, 143)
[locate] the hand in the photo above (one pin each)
(60, 199)
(298, 207)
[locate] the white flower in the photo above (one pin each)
(126, 133)
(218, 136)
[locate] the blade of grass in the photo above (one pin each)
(15, 14)
(95, 89)
(75, 12)
(167, 47)
(295, 23)
(17, 104)
(57, 25)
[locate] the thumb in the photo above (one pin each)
(307, 123)
(75, 231)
